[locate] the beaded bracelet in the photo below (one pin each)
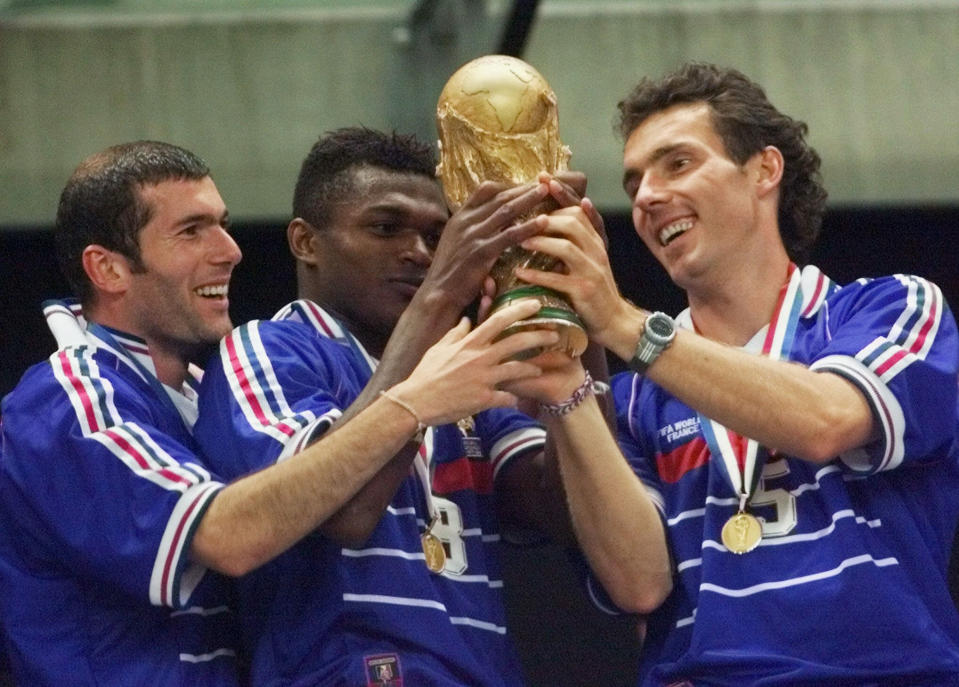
(583, 391)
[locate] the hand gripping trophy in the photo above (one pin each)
(497, 121)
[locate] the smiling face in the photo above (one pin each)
(178, 300)
(695, 209)
(373, 254)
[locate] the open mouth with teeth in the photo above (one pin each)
(672, 231)
(219, 291)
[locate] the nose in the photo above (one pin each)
(650, 192)
(418, 251)
(226, 250)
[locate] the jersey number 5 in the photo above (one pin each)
(784, 503)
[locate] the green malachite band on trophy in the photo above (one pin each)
(531, 291)
(520, 292)
(556, 314)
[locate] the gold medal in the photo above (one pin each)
(434, 552)
(742, 533)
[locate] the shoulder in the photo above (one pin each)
(75, 374)
(902, 310)
(79, 393)
(263, 338)
(906, 293)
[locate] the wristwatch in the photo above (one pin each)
(658, 332)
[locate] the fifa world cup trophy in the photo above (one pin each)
(497, 121)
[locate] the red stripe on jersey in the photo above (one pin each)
(247, 389)
(673, 465)
(514, 447)
(132, 451)
(926, 326)
(320, 319)
(171, 551)
(815, 296)
(463, 473)
(889, 362)
(77, 385)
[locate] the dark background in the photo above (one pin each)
(562, 638)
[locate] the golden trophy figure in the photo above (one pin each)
(497, 121)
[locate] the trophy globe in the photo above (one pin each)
(497, 121)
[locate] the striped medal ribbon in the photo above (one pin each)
(742, 458)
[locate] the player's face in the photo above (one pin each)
(374, 253)
(692, 206)
(179, 301)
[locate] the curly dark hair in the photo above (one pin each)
(101, 203)
(746, 122)
(326, 175)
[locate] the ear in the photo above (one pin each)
(107, 270)
(301, 236)
(769, 170)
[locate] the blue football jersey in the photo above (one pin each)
(324, 614)
(848, 582)
(100, 492)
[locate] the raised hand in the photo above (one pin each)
(476, 235)
(570, 235)
(464, 371)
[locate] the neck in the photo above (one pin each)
(169, 361)
(369, 338)
(171, 368)
(732, 311)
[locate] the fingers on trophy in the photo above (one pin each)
(497, 121)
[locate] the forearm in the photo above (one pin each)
(616, 523)
(783, 405)
(353, 524)
(533, 493)
(263, 514)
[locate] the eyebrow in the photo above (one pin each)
(657, 155)
(204, 217)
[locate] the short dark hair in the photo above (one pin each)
(326, 175)
(101, 203)
(746, 122)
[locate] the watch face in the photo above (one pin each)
(659, 326)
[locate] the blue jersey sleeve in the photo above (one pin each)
(895, 339)
(103, 482)
(507, 434)
(273, 388)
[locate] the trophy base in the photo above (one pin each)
(572, 336)
(555, 314)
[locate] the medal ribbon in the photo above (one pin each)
(422, 463)
(740, 456)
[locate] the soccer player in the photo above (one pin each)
(402, 585)
(793, 438)
(111, 523)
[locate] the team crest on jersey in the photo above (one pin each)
(472, 447)
(383, 670)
